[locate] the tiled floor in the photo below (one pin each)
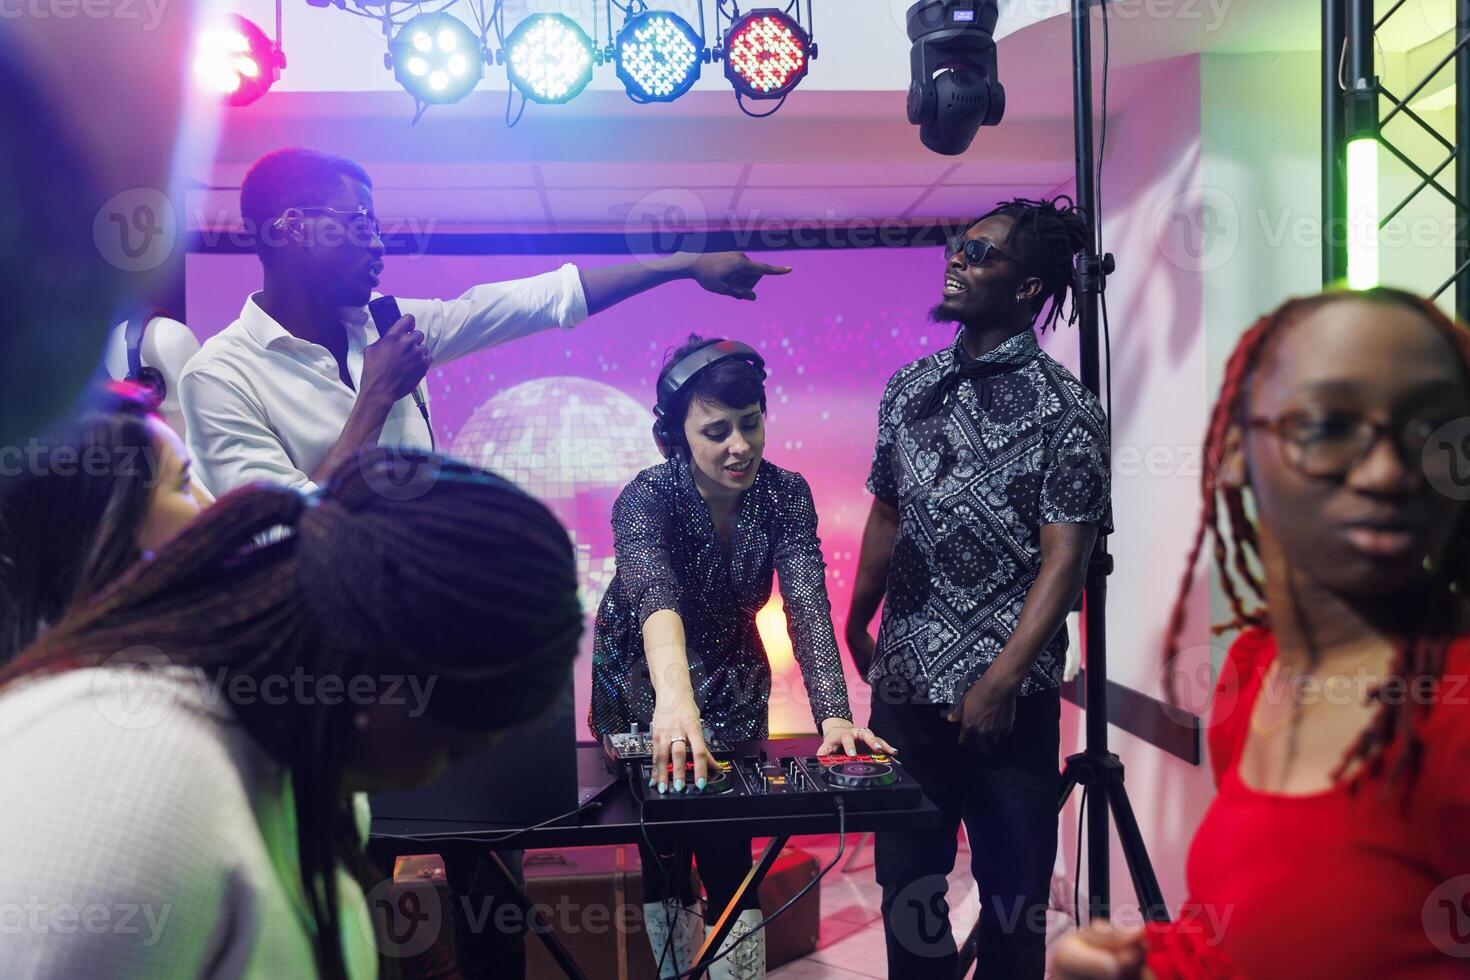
(851, 943)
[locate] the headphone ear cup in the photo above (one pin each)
(152, 379)
(661, 440)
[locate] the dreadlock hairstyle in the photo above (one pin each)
(69, 522)
(454, 575)
(1046, 237)
(1236, 547)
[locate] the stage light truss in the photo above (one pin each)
(1362, 139)
(549, 58)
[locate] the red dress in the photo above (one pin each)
(1346, 883)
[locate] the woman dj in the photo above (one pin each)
(676, 648)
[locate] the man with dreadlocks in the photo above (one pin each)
(990, 485)
(1339, 840)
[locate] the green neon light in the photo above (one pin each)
(1362, 213)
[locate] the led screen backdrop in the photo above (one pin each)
(566, 414)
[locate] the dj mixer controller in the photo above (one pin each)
(749, 781)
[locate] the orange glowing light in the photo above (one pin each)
(771, 624)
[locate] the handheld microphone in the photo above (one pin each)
(385, 313)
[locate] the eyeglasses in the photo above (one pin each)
(359, 221)
(976, 250)
(1329, 444)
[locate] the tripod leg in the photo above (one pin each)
(1140, 868)
(1069, 783)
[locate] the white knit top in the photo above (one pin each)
(143, 833)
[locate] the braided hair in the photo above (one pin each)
(1046, 237)
(456, 576)
(1236, 546)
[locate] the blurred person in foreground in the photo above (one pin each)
(1338, 841)
(277, 681)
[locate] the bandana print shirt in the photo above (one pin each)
(973, 487)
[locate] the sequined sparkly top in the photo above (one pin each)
(669, 557)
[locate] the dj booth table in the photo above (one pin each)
(612, 817)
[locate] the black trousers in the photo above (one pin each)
(489, 943)
(1008, 801)
(723, 864)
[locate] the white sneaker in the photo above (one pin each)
(748, 961)
(673, 956)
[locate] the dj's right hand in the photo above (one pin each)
(677, 736)
(394, 365)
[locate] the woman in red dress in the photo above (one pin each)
(1338, 844)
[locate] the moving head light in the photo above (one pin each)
(955, 88)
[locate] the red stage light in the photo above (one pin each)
(766, 54)
(235, 59)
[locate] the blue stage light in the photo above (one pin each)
(437, 58)
(658, 56)
(549, 58)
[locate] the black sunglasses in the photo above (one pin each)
(976, 249)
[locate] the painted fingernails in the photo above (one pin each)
(678, 786)
(663, 788)
(651, 781)
(700, 783)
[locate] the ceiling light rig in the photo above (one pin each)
(658, 56)
(437, 58)
(549, 58)
(234, 59)
(767, 52)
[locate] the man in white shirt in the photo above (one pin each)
(302, 379)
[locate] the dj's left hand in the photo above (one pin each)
(839, 733)
(732, 273)
(987, 712)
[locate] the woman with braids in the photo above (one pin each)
(184, 748)
(1339, 840)
(103, 490)
(698, 541)
(990, 485)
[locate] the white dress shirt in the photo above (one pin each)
(262, 404)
